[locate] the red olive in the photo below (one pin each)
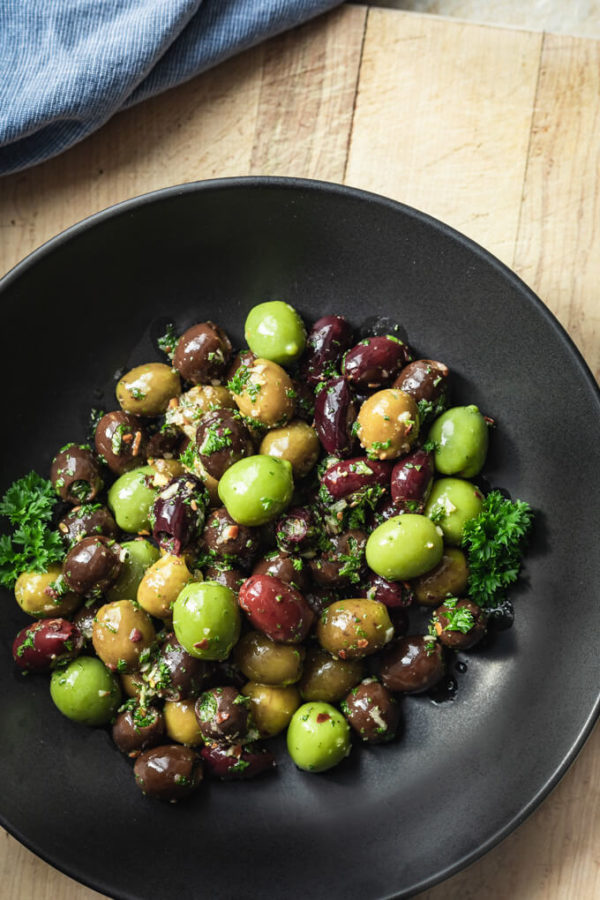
(335, 413)
(237, 763)
(40, 646)
(412, 478)
(375, 361)
(276, 608)
(351, 475)
(412, 665)
(328, 339)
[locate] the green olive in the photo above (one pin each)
(206, 620)
(138, 555)
(256, 489)
(275, 331)
(271, 706)
(404, 547)
(161, 584)
(262, 660)
(297, 442)
(121, 633)
(181, 723)
(85, 691)
(33, 594)
(451, 504)
(264, 393)
(388, 423)
(318, 737)
(328, 678)
(448, 579)
(352, 629)
(131, 499)
(461, 441)
(147, 390)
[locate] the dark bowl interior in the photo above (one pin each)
(387, 821)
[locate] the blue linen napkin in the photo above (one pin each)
(66, 66)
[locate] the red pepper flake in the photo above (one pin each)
(135, 635)
(201, 645)
(342, 654)
(363, 642)
(127, 438)
(322, 717)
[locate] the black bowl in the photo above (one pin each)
(391, 820)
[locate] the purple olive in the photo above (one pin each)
(384, 510)
(412, 665)
(298, 531)
(335, 414)
(178, 513)
(375, 361)
(412, 478)
(327, 341)
(40, 646)
(237, 763)
(390, 593)
(352, 475)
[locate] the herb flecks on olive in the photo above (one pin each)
(388, 424)
(76, 474)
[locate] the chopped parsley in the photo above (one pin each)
(168, 341)
(213, 441)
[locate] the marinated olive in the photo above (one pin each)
(121, 441)
(131, 498)
(297, 442)
(264, 393)
(372, 711)
(178, 513)
(222, 573)
(137, 556)
(271, 707)
(227, 540)
(276, 608)
(412, 665)
(352, 629)
(388, 424)
(267, 662)
(85, 691)
(459, 624)
(452, 503)
(343, 563)
(298, 531)
(427, 381)
(328, 678)
(75, 474)
(393, 594)
(243, 358)
(181, 724)
(161, 584)
(39, 647)
(84, 618)
(147, 390)
(223, 715)
(290, 569)
(206, 620)
(86, 521)
(335, 413)
(412, 478)
(170, 772)
(175, 675)
(202, 354)
(165, 470)
(448, 579)
(164, 445)
(329, 337)
(375, 361)
(138, 729)
(257, 489)
(133, 685)
(461, 441)
(404, 547)
(222, 439)
(92, 565)
(121, 632)
(349, 476)
(237, 763)
(318, 737)
(36, 594)
(275, 331)
(185, 411)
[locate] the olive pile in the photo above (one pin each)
(270, 517)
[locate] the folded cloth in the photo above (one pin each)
(66, 66)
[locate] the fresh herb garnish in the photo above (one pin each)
(213, 441)
(168, 341)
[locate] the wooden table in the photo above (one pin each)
(495, 131)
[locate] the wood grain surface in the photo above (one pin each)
(495, 131)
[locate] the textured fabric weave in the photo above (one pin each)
(66, 66)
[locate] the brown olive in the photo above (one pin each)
(424, 379)
(243, 358)
(271, 706)
(297, 442)
(268, 662)
(343, 564)
(412, 665)
(121, 441)
(75, 474)
(223, 715)
(237, 763)
(121, 632)
(175, 675)
(181, 723)
(138, 729)
(185, 411)
(448, 579)
(170, 772)
(352, 629)
(84, 619)
(372, 711)
(147, 390)
(459, 624)
(223, 573)
(36, 594)
(221, 440)
(92, 565)
(263, 392)
(290, 569)
(164, 444)
(388, 424)
(226, 539)
(87, 521)
(328, 678)
(375, 361)
(161, 584)
(202, 354)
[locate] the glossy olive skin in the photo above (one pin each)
(179, 512)
(206, 620)
(160, 585)
(76, 474)
(87, 521)
(353, 629)
(138, 555)
(412, 665)
(92, 564)
(351, 475)
(264, 393)
(147, 390)
(85, 691)
(257, 489)
(318, 737)
(329, 337)
(36, 596)
(445, 624)
(448, 579)
(40, 646)
(461, 441)
(185, 410)
(426, 380)
(227, 575)
(393, 594)
(202, 354)
(372, 712)
(175, 674)
(411, 481)
(243, 358)
(222, 439)
(223, 715)
(266, 662)
(344, 563)
(276, 608)
(230, 541)
(328, 678)
(335, 414)
(452, 503)
(136, 730)
(375, 361)
(169, 772)
(297, 531)
(404, 547)
(121, 632)
(121, 440)
(181, 723)
(275, 330)
(297, 442)
(388, 424)
(164, 444)
(291, 569)
(237, 763)
(271, 706)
